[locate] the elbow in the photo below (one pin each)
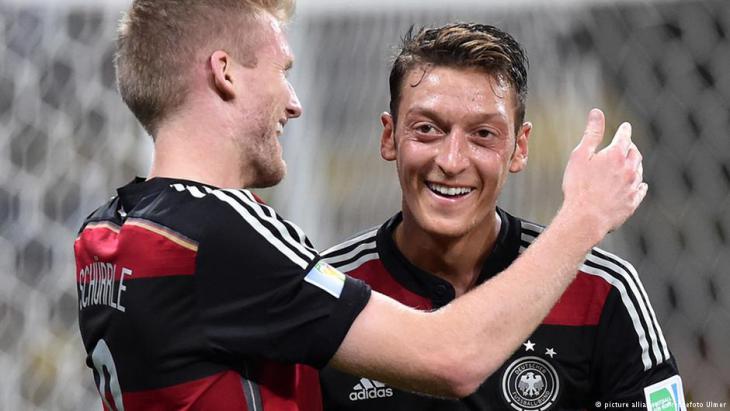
(461, 387)
(459, 384)
(463, 375)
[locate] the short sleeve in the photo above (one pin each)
(263, 292)
(631, 354)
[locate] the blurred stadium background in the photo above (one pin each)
(67, 141)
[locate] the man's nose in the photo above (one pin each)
(452, 158)
(294, 107)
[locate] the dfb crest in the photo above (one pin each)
(530, 383)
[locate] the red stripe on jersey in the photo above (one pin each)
(100, 250)
(374, 273)
(220, 392)
(581, 304)
(289, 387)
(258, 199)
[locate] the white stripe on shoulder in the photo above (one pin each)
(532, 227)
(337, 260)
(346, 268)
(529, 237)
(193, 190)
(630, 308)
(265, 213)
(270, 212)
(254, 222)
(635, 289)
(360, 242)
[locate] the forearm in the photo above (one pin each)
(449, 352)
(488, 323)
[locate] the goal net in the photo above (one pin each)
(67, 141)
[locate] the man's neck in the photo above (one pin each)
(458, 260)
(192, 150)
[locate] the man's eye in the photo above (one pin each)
(425, 128)
(484, 133)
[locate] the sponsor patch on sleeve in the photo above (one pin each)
(327, 278)
(667, 395)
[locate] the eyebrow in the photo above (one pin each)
(429, 112)
(424, 111)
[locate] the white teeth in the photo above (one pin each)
(449, 191)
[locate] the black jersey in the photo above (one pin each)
(599, 347)
(197, 298)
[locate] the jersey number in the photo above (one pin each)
(111, 393)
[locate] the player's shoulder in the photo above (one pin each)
(104, 215)
(190, 208)
(227, 209)
(353, 252)
(184, 206)
(214, 205)
(238, 216)
(602, 264)
(164, 204)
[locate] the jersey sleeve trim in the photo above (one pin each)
(271, 229)
(622, 276)
(354, 297)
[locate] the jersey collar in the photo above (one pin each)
(131, 194)
(428, 285)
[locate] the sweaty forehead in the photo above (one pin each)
(272, 39)
(450, 89)
(277, 29)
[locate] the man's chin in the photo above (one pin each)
(443, 226)
(270, 178)
(447, 231)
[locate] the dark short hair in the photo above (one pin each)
(463, 45)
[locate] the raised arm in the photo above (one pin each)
(449, 352)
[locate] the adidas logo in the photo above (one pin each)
(370, 389)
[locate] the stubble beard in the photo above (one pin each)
(268, 166)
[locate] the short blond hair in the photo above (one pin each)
(159, 41)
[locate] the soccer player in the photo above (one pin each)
(455, 131)
(193, 295)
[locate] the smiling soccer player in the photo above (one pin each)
(456, 131)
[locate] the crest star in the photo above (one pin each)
(551, 352)
(529, 346)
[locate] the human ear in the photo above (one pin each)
(519, 158)
(387, 138)
(221, 65)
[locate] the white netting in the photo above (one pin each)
(67, 140)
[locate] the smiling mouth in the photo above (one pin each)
(449, 192)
